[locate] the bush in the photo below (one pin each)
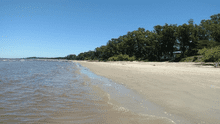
(122, 57)
(113, 58)
(210, 55)
(131, 58)
(146, 60)
(195, 58)
(95, 58)
(188, 59)
(177, 58)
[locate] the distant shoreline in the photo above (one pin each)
(198, 64)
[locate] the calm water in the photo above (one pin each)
(52, 91)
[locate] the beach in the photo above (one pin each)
(188, 90)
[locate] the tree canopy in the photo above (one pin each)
(160, 43)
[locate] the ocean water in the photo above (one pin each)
(55, 91)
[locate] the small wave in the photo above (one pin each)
(153, 117)
(13, 81)
(9, 92)
(122, 109)
(63, 95)
(38, 91)
(115, 107)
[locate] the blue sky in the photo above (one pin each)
(56, 28)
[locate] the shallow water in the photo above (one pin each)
(52, 91)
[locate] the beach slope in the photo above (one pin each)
(184, 89)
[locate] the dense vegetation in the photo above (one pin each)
(158, 45)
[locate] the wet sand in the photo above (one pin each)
(188, 90)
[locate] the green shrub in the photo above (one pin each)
(122, 57)
(114, 58)
(195, 58)
(95, 58)
(188, 59)
(177, 58)
(210, 55)
(131, 58)
(146, 60)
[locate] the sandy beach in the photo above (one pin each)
(188, 90)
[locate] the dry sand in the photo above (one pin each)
(184, 89)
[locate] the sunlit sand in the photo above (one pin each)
(188, 90)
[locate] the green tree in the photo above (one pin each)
(212, 27)
(139, 39)
(183, 35)
(168, 39)
(71, 57)
(158, 42)
(163, 40)
(153, 47)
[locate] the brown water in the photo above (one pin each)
(37, 91)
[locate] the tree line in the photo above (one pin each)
(153, 45)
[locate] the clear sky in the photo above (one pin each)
(56, 28)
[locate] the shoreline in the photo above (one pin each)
(184, 89)
(198, 64)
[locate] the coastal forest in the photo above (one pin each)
(164, 43)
